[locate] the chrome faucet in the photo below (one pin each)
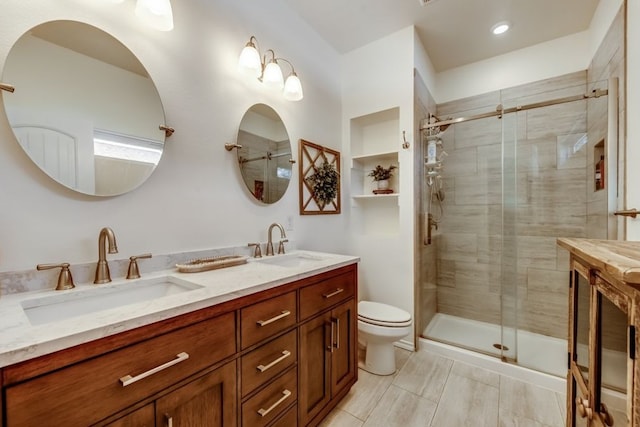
(283, 238)
(102, 269)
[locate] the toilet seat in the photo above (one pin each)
(379, 314)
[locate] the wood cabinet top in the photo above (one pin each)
(618, 259)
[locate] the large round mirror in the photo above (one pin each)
(84, 108)
(264, 155)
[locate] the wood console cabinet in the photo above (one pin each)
(248, 362)
(603, 379)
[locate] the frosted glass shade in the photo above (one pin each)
(273, 76)
(249, 62)
(293, 88)
(156, 13)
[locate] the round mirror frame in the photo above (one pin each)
(264, 153)
(84, 109)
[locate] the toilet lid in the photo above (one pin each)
(382, 314)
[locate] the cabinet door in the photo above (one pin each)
(613, 361)
(579, 355)
(209, 401)
(143, 417)
(314, 367)
(343, 353)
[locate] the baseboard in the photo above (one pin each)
(407, 345)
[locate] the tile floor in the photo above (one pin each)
(429, 390)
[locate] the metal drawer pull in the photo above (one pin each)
(283, 314)
(263, 412)
(285, 354)
(334, 293)
(128, 379)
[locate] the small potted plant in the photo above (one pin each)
(381, 176)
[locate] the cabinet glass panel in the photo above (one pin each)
(613, 367)
(582, 324)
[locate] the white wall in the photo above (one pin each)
(378, 77)
(542, 61)
(196, 198)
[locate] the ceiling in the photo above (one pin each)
(454, 32)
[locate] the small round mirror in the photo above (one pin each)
(265, 154)
(84, 109)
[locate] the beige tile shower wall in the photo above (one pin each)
(608, 62)
(549, 199)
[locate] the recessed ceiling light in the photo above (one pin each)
(500, 28)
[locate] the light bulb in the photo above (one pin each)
(249, 62)
(156, 13)
(500, 28)
(273, 76)
(293, 88)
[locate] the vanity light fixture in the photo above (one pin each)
(252, 65)
(155, 13)
(500, 28)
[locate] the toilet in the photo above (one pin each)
(379, 326)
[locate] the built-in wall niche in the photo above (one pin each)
(599, 166)
(375, 133)
(375, 140)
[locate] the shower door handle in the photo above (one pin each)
(629, 212)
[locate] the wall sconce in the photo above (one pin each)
(250, 64)
(155, 13)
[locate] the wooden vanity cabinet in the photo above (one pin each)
(328, 347)
(247, 362)
(206, 401)
(603, 379)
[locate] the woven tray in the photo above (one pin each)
(204, 264)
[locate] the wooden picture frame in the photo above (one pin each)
(312, 157)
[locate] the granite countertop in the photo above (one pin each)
(619, 259)
(20, 340)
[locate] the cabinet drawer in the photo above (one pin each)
(315, 298)
(269, 403)
(289, 419)
(268, 361)
(94, 389)
(267, 318)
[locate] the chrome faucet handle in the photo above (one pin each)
(133, 272)
(257, 253)
(281, 246)
(65, 281)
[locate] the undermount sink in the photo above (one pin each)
(290, 260)
(78, 302)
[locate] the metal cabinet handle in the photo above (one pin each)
(334, 293)
(330, 346)
(285, 394)
(169, 420)
(128, 379)
(283, 314)
(336, 343)
(630, 212)
(285, 354)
